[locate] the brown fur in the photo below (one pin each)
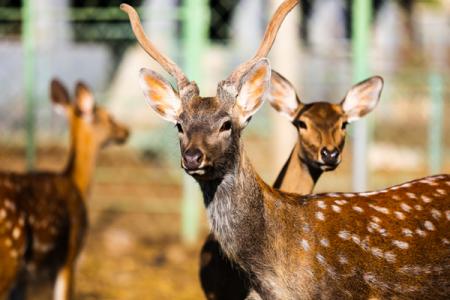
(220, 278)
(45, 213)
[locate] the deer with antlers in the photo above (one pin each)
(43, 218)
(321, 128)
(386, 244)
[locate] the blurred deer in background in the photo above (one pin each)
(392, 243)
(321, 128)
(43, 217)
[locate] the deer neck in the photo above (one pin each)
(82, 158)
(235, 209)
(297, 176)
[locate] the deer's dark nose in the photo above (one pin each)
(192, 158)
(329, 157)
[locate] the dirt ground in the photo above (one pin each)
(133, 250)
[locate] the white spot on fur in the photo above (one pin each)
(305, 244)
(336, 208)
(445, 241)
(407, 232)
(356, 239)
(376, 252)
(324, 242)
(306, 228)
(380, 209)
(366, 194)
(321, 204)
(333, 195)
(426, 199)
(16, 233)
(390, 256)
(405, 185)
(411, 195)
(9, 204)
(41, 247)
(399, 215)
(358, 209)
(342, 259)
(344, 234)
(420, 232)
(400, 244)
(429, 226)
(373, 226)
(349, 195)
(441, 191)
(436, 213)
(405, 207)
(365, 244)
(320, 258)
(376, 219)
(396, 197)
(418, 207)
(320, 216)
(340, 202)
(447, 215)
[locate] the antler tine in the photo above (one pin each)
(165, 62)
(268, 40)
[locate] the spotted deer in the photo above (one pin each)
(388, 244)
(43, 217)
(321, 131)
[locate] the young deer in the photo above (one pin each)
(43, 218)
(321, 128)
(392, 243)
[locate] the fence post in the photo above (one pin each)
(435, 131)
(29, 72)
(361, 18)
(195, 40)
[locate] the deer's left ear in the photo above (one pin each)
(84, 99)
(254, 86)
(59, 95)
(362, 98)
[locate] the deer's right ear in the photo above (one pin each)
(160, 94)
(254, 88)
(283, 97)
(59, 95)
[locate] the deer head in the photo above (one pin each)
(321, 126)
(88, 121)
(209, 127)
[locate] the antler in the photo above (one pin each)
(268, 40)
(165, 62)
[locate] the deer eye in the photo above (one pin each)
(225, 126)
(300, 124)
(179, 128)
(344, 125)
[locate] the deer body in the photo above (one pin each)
(330, 246)
(52, 218)
(390, 244)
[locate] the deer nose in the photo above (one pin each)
(192, 158)
(329, 156)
